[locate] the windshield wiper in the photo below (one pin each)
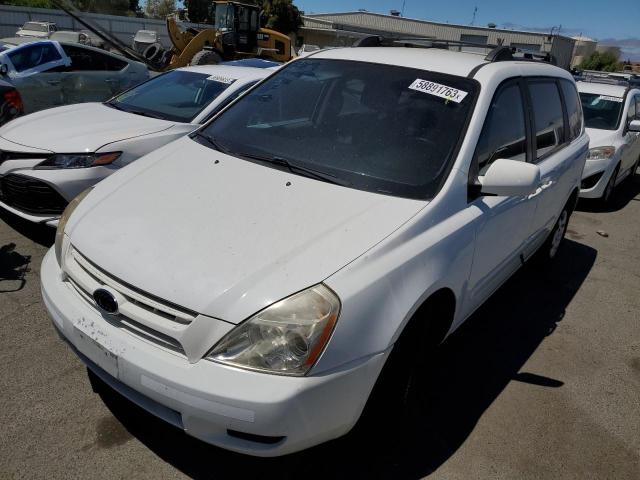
(295, 169)
(211, 142)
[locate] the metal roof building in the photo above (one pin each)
(342, 29)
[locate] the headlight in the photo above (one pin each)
(285, 338)
(78, 160)
(62, 223)
(601, 153)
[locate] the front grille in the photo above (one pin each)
(143, 315)
(30, 195)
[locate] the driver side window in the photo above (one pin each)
(33, 56)
(504, 132)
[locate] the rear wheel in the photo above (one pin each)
(549, 250)
(206, 57)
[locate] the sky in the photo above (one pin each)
(615, 22)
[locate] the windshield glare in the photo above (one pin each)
(358, 122)
(601, 111)
(177, 96)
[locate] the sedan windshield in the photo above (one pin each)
(601, 111)
(177, 96)
(380, 128)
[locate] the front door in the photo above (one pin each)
(504, 223)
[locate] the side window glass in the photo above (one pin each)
(631, 113)
(504, 132)
(33, 56)
(574, 108)
(548, 116)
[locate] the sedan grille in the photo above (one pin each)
(141, 314)
(30, 195)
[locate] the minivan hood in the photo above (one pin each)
(226, 239)
(83, 127)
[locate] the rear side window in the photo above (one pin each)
(84, 59)
(504, 131)
(33, 55)
(548, 116)
(574, 108)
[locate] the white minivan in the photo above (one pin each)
(250, 282)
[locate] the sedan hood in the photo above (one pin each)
(84, 127)
(226, 238)
(601, 138)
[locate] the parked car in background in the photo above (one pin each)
(612, 118)
(51, 156)
(49, 73)
(71, 37)
(37, 29)
(94, 40)
(253, 282)
(10, 102)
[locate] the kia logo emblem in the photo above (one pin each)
(106, 301)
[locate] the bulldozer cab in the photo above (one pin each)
(239, 24)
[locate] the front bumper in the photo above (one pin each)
(205, 398)
(603, 169)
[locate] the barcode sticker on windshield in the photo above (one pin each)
(221, 79)
(439, 90)
(610, 99)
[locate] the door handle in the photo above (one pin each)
(110, 80)
(53, 82)
(541, 189)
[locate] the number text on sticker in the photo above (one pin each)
(439, 90)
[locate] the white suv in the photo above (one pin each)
(249, 282)
(612, 120)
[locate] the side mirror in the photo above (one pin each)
(634, 126)
(4, 69)
(510, 178)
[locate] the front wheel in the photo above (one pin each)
(608, 190)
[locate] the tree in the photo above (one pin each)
(166, 8)
(282, 15)
(603, 61)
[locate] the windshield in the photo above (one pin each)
(35, 27)
(222, 16)
(375, 127)
(177, 96)
(601, 111)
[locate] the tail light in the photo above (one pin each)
(14, 99)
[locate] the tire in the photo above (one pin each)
(206, 57)
(549, 250)
(611, 185)
(153, 52)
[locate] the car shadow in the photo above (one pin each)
(626, 192)
(13, 268)
(38, 233)
(466, 374)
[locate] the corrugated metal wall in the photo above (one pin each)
(561, 47)
(12, 18)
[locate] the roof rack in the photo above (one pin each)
(498, 53)
(608, 78)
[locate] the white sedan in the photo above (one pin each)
(48, 157)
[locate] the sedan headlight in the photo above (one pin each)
(601, 153)
(286, 338)
(78, 160)
(62, 223)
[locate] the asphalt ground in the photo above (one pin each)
(542, 382)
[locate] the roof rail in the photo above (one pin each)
(608, 78)
(498, 53)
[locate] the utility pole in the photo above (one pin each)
(475, 11)
(402, 11)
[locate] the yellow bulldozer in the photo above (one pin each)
(234, 33)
